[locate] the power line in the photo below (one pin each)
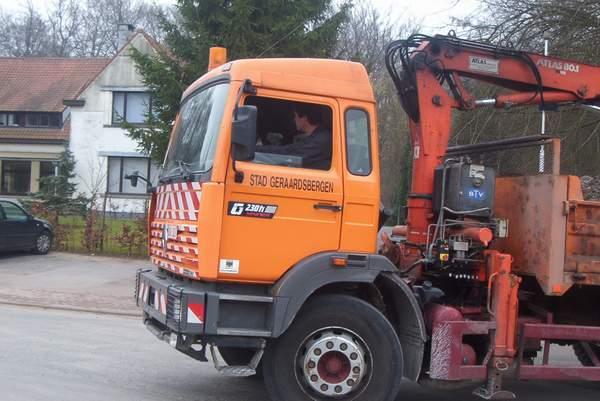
(287, 35)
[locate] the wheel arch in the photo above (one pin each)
(371, 278)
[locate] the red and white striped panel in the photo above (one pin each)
(188, 239)
(189, 260)
(143, 292)
(174, 268)
(179, 201)
(174, 247)
(180, 227)
(160, 299)
(195, 313)
(160, 302)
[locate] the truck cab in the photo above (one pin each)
(249, 221)
(244, 236)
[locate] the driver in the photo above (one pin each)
(314, 144)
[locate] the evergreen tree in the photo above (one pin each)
(247, 28)
(57, 192)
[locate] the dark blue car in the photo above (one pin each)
(21, 231)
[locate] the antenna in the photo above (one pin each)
(543, 131)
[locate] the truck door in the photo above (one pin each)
(286, 208)
(361, 177)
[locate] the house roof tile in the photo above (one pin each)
(42, 83)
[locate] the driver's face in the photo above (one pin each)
(300, 122)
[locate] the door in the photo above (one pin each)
(361, 178)
(285, 209)
(17, 227)
(5, 240)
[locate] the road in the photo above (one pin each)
(73, 356)
(49, 352)
(69, 281)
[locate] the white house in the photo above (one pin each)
(47, 104)
(103, 151)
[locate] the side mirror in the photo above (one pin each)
(133, 178)
(243, 133)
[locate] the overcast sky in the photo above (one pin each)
(434, 15)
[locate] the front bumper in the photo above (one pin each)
(199, 309)
(170, 305)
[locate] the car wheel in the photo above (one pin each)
(43, 243)
(338, 348)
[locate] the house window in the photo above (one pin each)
(42, 120)
(119, 167)
(16, 177)
(132, 107)
(47, 169)
(8, 119)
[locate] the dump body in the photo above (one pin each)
(553, 234)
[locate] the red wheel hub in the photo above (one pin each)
(333, 367)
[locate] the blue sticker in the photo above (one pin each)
(476, 194)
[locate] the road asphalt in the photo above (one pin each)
(77, 335)
(70, 281)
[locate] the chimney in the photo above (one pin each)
(124, 32)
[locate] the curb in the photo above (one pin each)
(73, 309)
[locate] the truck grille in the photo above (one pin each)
(174, 229)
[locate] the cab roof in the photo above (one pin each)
(324, 77)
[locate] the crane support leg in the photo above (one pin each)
(503, 306)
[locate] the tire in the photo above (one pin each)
(339, 342)
(43, 243)
(235, 356)
(583, 356)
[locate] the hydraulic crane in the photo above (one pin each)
(451, 203)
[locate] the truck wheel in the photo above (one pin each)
(236, 356)
(583, 356)
(338, 347)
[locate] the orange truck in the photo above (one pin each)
(276, 262)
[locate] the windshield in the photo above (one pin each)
(195, 137)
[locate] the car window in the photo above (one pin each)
(1, 213)
(12, 212)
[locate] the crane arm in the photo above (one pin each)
(428, 73)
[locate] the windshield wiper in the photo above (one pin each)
(182, 167)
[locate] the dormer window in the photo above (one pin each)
(42, 120)
(8, 119)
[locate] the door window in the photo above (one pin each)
(358, 151)
(293, 134)
(12, 212)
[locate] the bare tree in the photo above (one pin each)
(76, 28)
(573, 27)
(363, 39)
(64, 21)
(24, 34)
